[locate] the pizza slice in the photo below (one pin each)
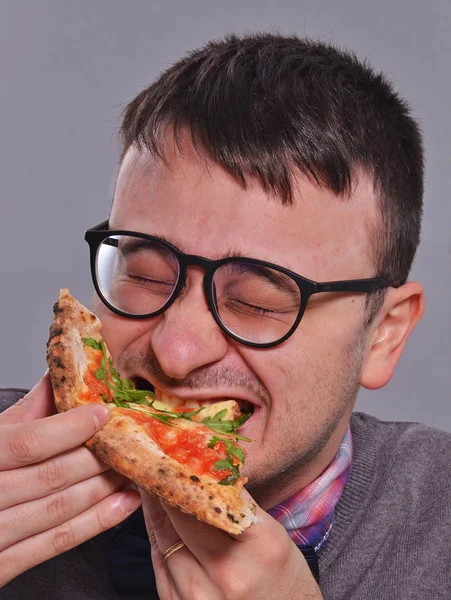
(189, 457)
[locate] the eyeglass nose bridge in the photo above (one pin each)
(193, 260)
(208, 266)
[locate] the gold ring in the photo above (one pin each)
(173, 549)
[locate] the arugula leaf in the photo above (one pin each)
(223, 465)
(101, 371)
(232, 449)
(177, 415)
(125, 392)
(120, 404)
(167, 420)
(226, 464)
(163, 418)
(217, 424)
(92, 343)
(229, 480)
(144, 401)
(214, 440)
(238, 452)
(123, 389)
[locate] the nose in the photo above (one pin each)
(187, 336)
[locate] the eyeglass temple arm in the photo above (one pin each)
(356, 285)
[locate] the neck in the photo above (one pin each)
(298, 476)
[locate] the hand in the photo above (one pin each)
(55, 494)
(260, 564)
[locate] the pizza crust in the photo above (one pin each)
(123, 444)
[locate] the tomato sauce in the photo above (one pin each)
(186, 446)
(96, 387)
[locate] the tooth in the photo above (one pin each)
(172, 401)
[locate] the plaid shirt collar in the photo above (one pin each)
(308, 515)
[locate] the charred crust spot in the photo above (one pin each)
(100, 449)
(210, 497)
(63, 379)
(218, 510)
(201, 487)
(232, 518)
(55, 332)
(162, 471)
(57, 308)
(194, 478)
(158, 487)
(58, 362)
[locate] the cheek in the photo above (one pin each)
(281, 370)
(306, 372)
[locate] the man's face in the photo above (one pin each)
(303, 390)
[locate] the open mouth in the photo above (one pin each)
(175, 402)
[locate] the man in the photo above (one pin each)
(291, 152)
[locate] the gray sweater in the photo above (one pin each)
(390, 539)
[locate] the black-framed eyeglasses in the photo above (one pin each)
(255, 302)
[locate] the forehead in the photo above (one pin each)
(204, 210)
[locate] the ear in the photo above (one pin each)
(402, 309)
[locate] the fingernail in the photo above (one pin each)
(100, 415)
(130, 502)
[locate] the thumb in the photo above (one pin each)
(37, 404)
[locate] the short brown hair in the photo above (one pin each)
(265, 106)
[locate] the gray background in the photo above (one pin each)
(68, 68)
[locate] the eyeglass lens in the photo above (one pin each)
(258, 304)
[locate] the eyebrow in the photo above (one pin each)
(141, 243)
(135, 245)
(278, 280)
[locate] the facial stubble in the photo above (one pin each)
(332, 395)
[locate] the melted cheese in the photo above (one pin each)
(211, 410)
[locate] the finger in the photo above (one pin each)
(32, 551)
(37, 404)
(234, 562)
(30, 518)
(210, 545)
(181, 571)
(189, 578)
(164, 581)
(52, 475)
(31, 442)
(161, 532)
(204, 541)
